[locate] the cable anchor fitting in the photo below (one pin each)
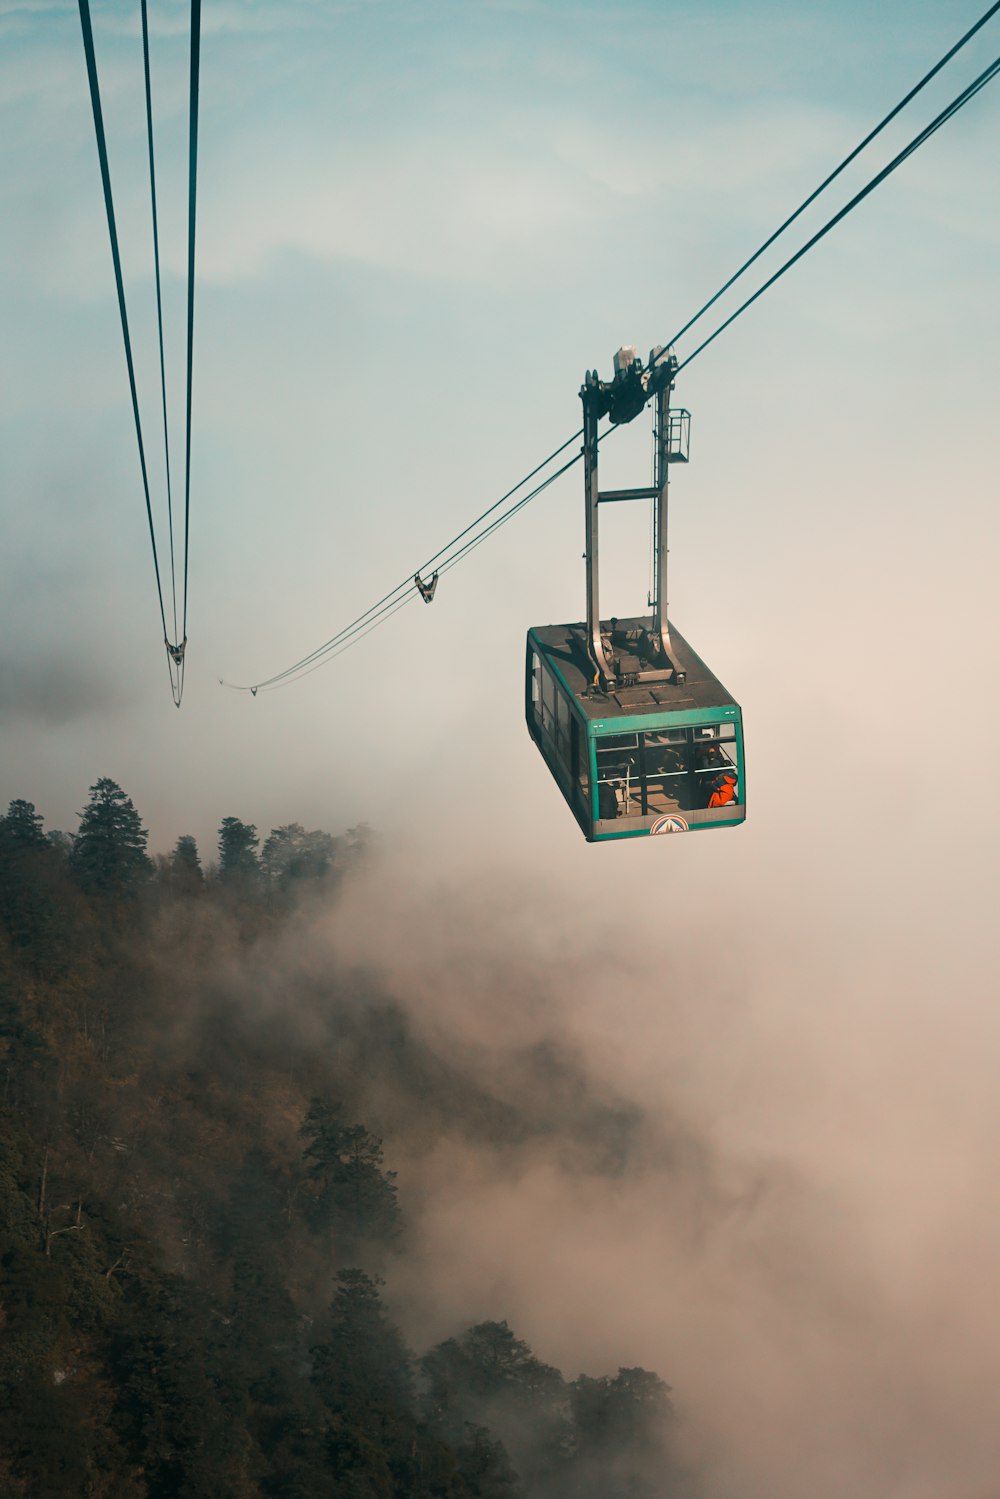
(426, 590)
(176, 652)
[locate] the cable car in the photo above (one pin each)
(640, 736)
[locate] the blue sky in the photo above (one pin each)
(418, 224)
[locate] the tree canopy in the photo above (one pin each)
(196, 1210)
(109, 853)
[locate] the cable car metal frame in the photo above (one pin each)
(639, 735)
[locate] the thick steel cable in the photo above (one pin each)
(918, 140)
(837, 171)
(392, 602)
(407, 598)
(353, 636)
(404, 594)
(102, 151)
(192, 197)
(159, 306)
(407, 583)
(502, 520)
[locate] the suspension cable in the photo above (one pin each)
(406, 591)
(175, 647)
(159, 303)
(837, 171)
(918, 140)
(386, 602)
(102, 151)
(192, 196)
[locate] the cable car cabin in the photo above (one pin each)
(654, 757)
(640, 737)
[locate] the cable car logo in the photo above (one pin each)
(669, 825)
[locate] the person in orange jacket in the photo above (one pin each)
(722, 788)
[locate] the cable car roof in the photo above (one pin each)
(565, 648)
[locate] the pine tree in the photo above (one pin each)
(185, 866)
(22, 826)
(109, 855)
(36, 907)
(349, 1192)
(238, 851)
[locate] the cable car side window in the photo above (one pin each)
(581, 765)
(548, 701)
(562, 742)
(715, 770)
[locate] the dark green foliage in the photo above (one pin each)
(621, 1430)
(374, 1442)
(180, 1405)
(37, 907)
(238, 852)
(485, 1467)
(27, 1062)
(186, 875)
(347, 1191)
(109, 854)
(180, 1177)
(364, 1365)
(291, 855)
(486, 1362)
(22, 826)
(491, 1378)
(614, 1414)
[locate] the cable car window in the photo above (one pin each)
(548, 701)
(670, 786)
(615, 744)
(581, 766)
(536, 675)
(619, 783)
(715, 767)
(562, 730)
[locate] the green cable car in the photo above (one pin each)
(641, 738)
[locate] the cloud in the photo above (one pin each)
(792, 1219)
(53, 690)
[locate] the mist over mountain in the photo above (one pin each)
(224, 1156)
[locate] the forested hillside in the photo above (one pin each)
(198, 1219)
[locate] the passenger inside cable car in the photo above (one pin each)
(667, 770)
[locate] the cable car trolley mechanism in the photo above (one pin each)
(641, 738)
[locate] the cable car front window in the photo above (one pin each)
(670, 786)
(619, 784)
(667, 770)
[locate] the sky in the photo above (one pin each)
(418, 224)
